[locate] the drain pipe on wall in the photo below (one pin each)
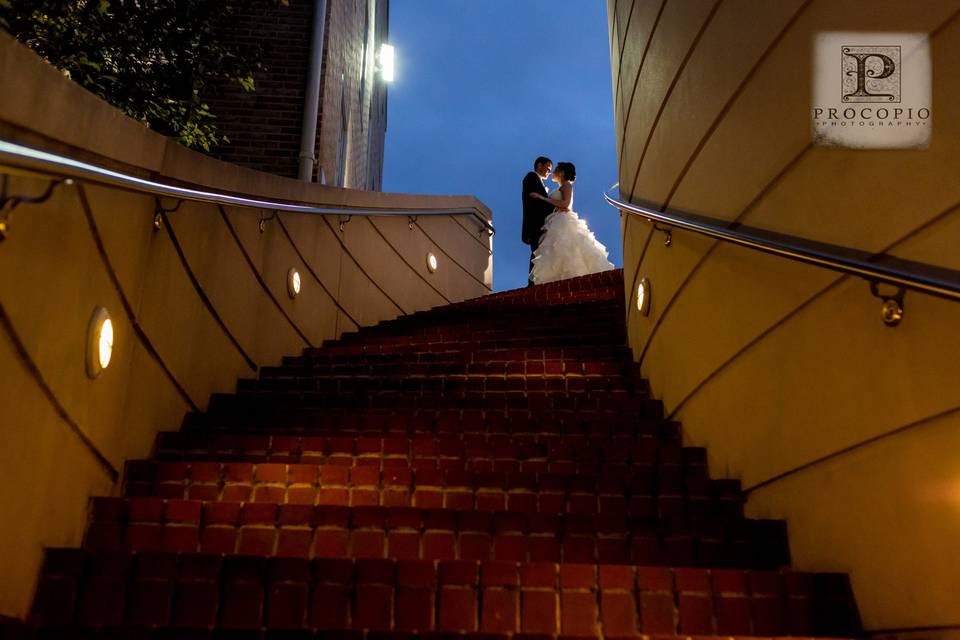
(311, 99)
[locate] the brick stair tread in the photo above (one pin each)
(185, 633)
(577, 332)
(204, 590)
(537, 401)
(578, 340)
(552, 384)
(609, 369)
(652, 449)
(630, 490)
(456, 356)
(420, 421)
(401, 532)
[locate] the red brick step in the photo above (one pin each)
(246, 592)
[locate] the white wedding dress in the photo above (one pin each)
(567, 248)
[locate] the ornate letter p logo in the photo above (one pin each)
(871, 74)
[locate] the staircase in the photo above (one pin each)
(496, 467)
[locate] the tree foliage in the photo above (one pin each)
(153, 59)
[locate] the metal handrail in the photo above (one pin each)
(900, 273)
(51, 163)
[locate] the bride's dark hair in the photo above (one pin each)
(568, 170)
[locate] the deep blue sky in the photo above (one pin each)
(482, 89)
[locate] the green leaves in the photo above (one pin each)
(153, 59)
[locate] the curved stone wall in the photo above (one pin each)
(843, 426)
(196, 304)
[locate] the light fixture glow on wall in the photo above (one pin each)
(293, 283)
(99, 342)
(387, 62)
(643, 297)
(431, 262)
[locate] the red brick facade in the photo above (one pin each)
(264, 127)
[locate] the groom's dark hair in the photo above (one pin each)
(542, 160)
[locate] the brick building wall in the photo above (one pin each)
(264, 126)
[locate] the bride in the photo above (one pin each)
(567, 247)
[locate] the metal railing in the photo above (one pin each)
(877, 269)
(12, 154)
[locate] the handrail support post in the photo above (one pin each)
(891, 311)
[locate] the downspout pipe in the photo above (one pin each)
(311, 98)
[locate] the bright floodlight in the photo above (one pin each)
(431, 262)
(387, 62)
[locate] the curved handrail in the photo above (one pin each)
(52, 163)
(897, 272)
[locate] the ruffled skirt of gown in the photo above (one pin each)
(567, 249)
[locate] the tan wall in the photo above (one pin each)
(65, 436)
(785, 371)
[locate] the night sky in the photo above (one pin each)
(482, 89)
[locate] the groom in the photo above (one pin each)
(534, 210)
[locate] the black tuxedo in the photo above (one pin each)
(535, 212)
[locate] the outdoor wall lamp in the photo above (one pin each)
(293, 283)
(431, 262)
(643, 297)
(99, 342)
(387, 58)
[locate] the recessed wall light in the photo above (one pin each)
(293, 283)
(99, 342)
(643, 297)
(431, 262)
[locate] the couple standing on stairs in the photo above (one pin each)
(561, 244)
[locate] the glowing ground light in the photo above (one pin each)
(431, 262)
(99, 342)
(293, 283)
(643, 297)
(387, 62)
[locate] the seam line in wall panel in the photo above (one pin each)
(472, 235)
(404, 260)
(452, 259)
(636, 83)
(731, 101)
(125, 302)
(750, 206)
(669, 93)
(853, 447)
(313, 273)
(841, 279)
(362, 270)
(31, 366)
(621, 47)
(198, 288)
(259, 278)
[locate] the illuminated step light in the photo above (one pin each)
(387, 62)
(99, 342)
(293, 283)
(431, 262)
(643, 297)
